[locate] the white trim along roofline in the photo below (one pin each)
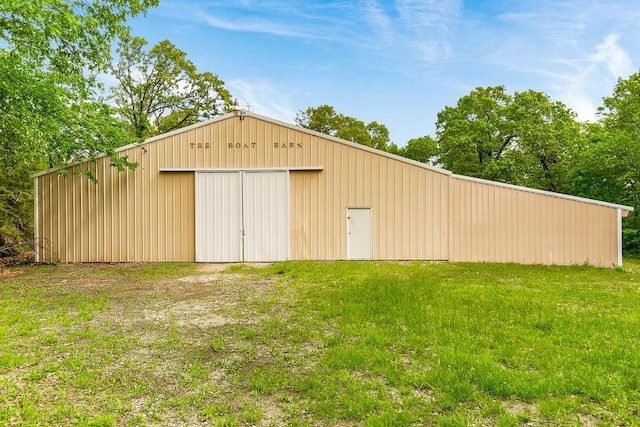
(344, 142)
(543, 192)
(257, 116)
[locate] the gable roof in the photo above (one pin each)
(339, 141)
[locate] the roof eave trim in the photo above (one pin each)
(544, 192)
(133, 145)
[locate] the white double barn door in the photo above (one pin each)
(242, 216)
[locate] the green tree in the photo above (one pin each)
(161, 90)
(50, 109)
(66, 36)
(521, 139)
(16, 209)
(324, 119)
(607, 165)
(423, 149)
(475, 136)
(53, 51)
(547, 134)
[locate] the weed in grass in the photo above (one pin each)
(10, 360)
(217, 343)
(251, 414)
(507, 420)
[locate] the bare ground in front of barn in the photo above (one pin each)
(319, 343)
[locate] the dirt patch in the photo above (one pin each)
(190, 313)
(211, 278)
(517, 408)
(206, 267)
(10, 273)
(213, 267)
(200, 301)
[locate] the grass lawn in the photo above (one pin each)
(320, 343)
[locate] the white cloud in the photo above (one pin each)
(428, 26)
(613, 57)
(263, 98)
(377, 19)
(251, 25)
(595, 77)
(561, 23)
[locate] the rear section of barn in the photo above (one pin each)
(244, 188)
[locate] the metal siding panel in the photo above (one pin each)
(530, 228)
(296, 225)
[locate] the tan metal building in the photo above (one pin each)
(243, 187)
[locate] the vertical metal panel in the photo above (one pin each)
(36, 221)
(242, 216)
(359, 240)
(526, 227)
(265, 213)
(218, 217)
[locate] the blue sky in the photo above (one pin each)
(401, 62)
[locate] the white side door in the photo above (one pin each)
(218, 217)
(359, 241)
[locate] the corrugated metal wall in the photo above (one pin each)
(146, 214)
(133, 216)
(417, 212)
(494, 223)
(409, 206)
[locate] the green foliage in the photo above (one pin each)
(631, 240)
(607, 166)
(16, 208)
(324, 119)
(43, 121)
(50, 111)
(29, 104)
(160, 90)
(423, 149)
(547, 135)
(522, 139)
(476, 135)
(65, 36)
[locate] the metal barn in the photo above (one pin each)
(248, 188)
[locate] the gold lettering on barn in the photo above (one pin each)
(241, 145)
(200, 144)
(287, 145)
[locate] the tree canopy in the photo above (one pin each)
(160, 90)
(51, 111)
(51, 106)
(521, 139)
(326, 120)
(607, 166)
